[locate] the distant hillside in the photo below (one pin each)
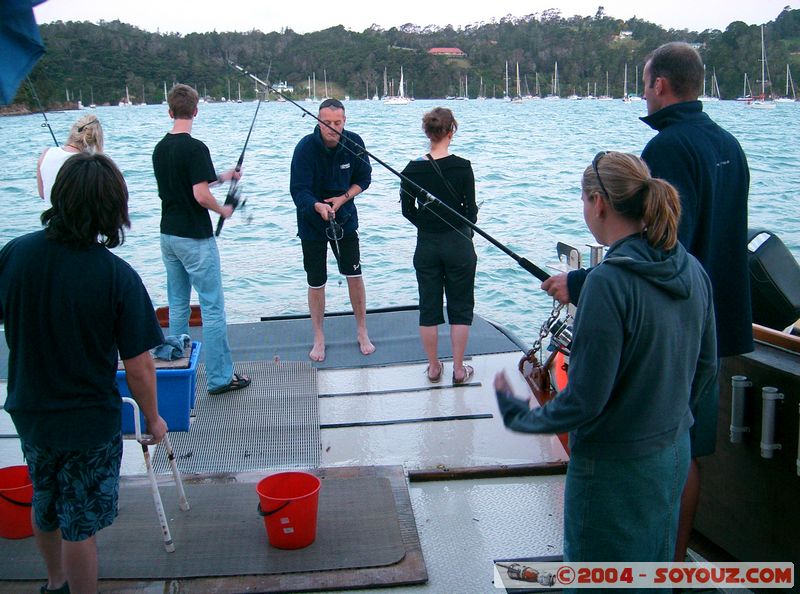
(88, 60)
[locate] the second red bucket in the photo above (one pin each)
(16, 494)
(288, 503)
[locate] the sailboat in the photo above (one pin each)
(625, 98)
(400, 98)
(714, 96)
(481, 91)
(325, 75)
(92, 104)
(312, 87)
(606, 97)
(143, 102)
(463, 90)
(505, 96)
(556, 93)
(763, 101)
(127, 101)
(518, 97)
(636, 96)
(747, 92)
(789, 85)
(164, 102)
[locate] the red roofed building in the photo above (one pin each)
(450, 52)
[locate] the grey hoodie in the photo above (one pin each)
(644, 346)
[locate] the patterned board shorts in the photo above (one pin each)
(76, 491)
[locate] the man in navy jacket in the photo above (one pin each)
(330, 168)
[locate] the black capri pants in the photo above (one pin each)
(445, 264)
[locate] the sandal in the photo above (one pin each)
(237, 383)
(468, 373)
(434, 379)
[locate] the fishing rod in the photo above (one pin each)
(41, 109)
(233, 191)
(427, 196)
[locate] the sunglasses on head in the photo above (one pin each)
(595, 163)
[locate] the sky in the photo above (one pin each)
(198, 16)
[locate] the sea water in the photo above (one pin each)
(527, 158)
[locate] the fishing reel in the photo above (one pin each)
(560, 331)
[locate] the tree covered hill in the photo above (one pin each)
(99, 60)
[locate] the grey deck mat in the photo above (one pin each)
(394, 332)
(223, 535)
(271, 424)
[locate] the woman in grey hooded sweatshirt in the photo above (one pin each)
(643, 349)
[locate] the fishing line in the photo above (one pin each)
(41, 109)
(233, 191)
(425, 195)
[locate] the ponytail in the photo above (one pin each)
(662, 212)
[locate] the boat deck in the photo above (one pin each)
(477, 491)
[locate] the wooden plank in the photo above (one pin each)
(776, 338)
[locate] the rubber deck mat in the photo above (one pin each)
(272, 424)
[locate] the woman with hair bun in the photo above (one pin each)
(86, 135)
(444, 258)
(644, 348)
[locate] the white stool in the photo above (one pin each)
(182, 501)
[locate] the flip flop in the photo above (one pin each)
(237, 383)
(468, 373)
(435, 379)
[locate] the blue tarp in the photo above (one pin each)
(20, 45)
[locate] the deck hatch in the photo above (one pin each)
(272, 424)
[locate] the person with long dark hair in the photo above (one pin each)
(70, 308)
(444, 259)
(643, 352)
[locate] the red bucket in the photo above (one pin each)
(289, 507)
(16, 494)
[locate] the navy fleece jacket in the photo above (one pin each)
(318, 173)
(707, 166)
(643, 348)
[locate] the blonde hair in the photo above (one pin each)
(625, 181)
(87, 134)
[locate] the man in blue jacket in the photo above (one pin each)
(330, 168)
(709, 169)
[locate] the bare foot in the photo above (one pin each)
(366, 346)
(317, 352)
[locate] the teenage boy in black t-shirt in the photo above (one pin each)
(184, 172)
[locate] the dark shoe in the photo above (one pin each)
(237, 383)
(62, 590)
(468, 372)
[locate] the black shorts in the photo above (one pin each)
(315, 259)
(445, 264)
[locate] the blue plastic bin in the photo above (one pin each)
(176, 394)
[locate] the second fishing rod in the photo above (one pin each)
(428, 198)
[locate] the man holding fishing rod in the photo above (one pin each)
(184, 172)
(325, 178)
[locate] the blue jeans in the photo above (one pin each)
(195, 263)
(625, 510)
